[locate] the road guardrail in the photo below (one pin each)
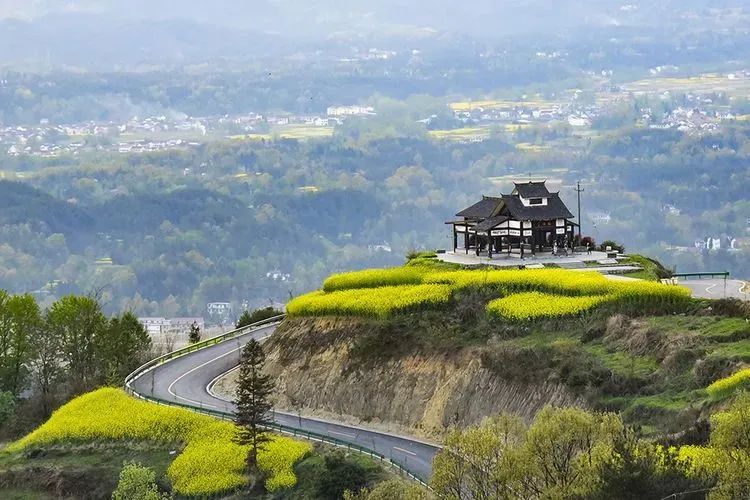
(722, 274)
(224, 415)
(194, 347)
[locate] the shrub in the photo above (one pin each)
(341, 475)
(734, 307)
(248, 318)
(416, 254)
(374, 302)
(727, 386)
(726, 460)
(211, 462)
(137, 483)
(611, 244)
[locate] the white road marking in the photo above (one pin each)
(200, 403)
(209, 386)
(708, 288)
(404, 451)
(343, 434)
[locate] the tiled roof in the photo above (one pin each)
(532, 189)
(554, 209)
(482, 209)
(488, 224)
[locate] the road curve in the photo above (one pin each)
(717, 288)
(186, 380)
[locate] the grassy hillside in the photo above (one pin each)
(642, 348)
(205, 459)
(80, 451)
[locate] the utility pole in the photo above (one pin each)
(579, 190)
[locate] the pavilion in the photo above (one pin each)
(529, 220)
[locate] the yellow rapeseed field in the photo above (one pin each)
(557, 281)
(370, 278)
(210, 462)
(379, 302)
(532, 305)
(728, 385)
(383, 292)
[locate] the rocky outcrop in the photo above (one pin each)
(316, 371)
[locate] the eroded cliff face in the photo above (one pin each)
(318, 371)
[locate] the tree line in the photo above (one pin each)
(50, 355)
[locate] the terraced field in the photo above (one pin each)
(521, 295)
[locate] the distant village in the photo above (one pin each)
(695, 112)
(155, 133)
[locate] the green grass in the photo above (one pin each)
(716, 328)
(733, 350)
(652, 270)
(623, 363)
(669, 402)
(78, 470)
(641, 275)
(540, 338)
(99, 455)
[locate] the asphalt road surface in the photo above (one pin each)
(716, 289)
(186, 380)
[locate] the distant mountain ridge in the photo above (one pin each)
(115, 33)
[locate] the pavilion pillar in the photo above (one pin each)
(466, 239)
(455, 239)
(489, 243)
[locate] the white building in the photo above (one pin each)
(155, 326)
(350, 110)
(170, 326)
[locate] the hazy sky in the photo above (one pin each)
(321, 17)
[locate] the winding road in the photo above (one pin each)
(187, 380)
(717, 288)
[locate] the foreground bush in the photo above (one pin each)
(373, 302)
(565, 453)
(726, 461)
(137, 483)
(210, 463)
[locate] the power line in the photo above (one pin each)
(579, 190)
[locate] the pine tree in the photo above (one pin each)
(195, 333)
(253, 405)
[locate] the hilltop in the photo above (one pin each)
(428, 345)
